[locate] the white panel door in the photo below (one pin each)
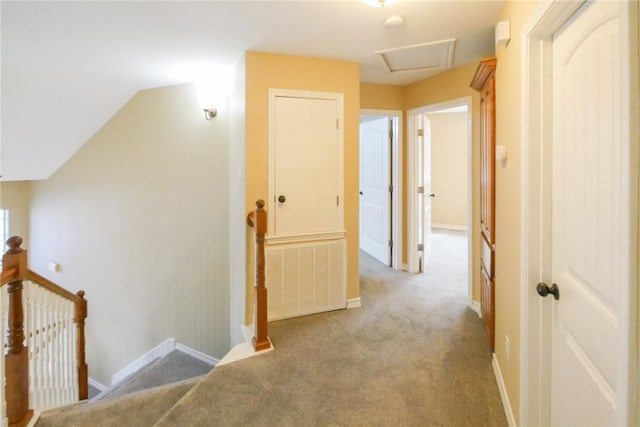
(425, 195)
(375, 198)
(587, 218)
(306, 166)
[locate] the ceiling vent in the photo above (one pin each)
(419, 57)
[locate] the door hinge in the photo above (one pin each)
(420, 132)
(337, 200)
(391, 189)
(390, 243)
(421, 190)
(337, 123)
(420, 247)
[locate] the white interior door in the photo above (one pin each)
(306, 166)
(424, 193)
(588, 217)
(375, 198)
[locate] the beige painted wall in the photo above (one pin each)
(15, 196)
(508, 242)
(265, 71)
(139, 219)
(444, 87)
(381, 97)
(449, 175)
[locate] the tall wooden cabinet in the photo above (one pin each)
(484, 82)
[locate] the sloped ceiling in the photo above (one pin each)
(67, 67)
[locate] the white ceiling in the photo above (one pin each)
(67, 67)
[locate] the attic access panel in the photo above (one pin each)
(419, 57)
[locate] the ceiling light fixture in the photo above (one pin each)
(379, 3)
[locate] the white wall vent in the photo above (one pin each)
(305, 278)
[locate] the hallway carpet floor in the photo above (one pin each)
(414, 354)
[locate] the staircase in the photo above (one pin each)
(139, 400)
(44, 366)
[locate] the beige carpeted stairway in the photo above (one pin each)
(138, 409)
(414, 354)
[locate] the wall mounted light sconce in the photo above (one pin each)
(210, 113)
(213, 86)
(209, 96)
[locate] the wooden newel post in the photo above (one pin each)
(83, 374)
(16, 355)
(258, 219)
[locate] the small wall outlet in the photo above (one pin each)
(507, 347)
(54, 267)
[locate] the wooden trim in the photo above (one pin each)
(483, 73)
(25, 421)
(8, 275)
(258, 220)
(484, 82)
(16, 354)
(50, 286)
(83, 371)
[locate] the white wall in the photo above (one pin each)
(138, 218)
(237, 208)
(15, 197)
(449, 175)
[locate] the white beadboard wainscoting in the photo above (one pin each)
(306, 278)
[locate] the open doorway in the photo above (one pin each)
(380, 185)
(439, 180)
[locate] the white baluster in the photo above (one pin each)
(48, 351)
(73, 352)
(51, 338)
(28, 332)
(57, 360)
(40, 362)
(36, 373)
(71, 368)
(52, 350)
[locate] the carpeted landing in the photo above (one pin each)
(414, 354)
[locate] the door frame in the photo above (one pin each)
(535, 210)
(412, 178)
(396, 181)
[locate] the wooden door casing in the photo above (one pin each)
(484, 82)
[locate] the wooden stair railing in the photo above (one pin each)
(258, 220)
(45, 328)
(16, 359)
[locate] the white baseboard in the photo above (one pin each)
(96, 384)
(503, 392)
(245, 349)
(197, 354)
(450, 227)
(475, 306)
(161, 350)
(354, 303)
(35, 418)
